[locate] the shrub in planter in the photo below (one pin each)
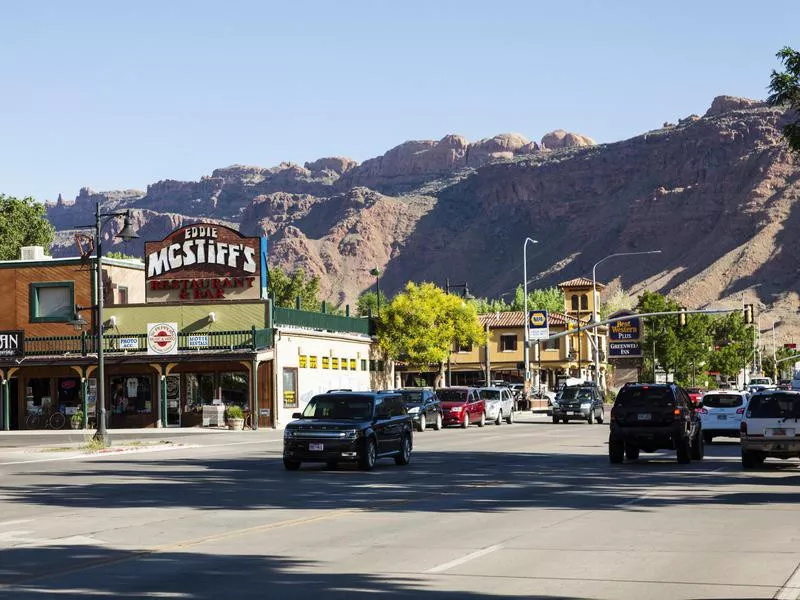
(76, 421)
(235, 417)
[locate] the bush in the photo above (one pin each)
(234, 412)
(77, 416)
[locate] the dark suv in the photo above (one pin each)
(423, 405)
(349, 427)
(650, 417)
(578, 402)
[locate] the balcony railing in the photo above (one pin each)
(320, 321)
(252, 339)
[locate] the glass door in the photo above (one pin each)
(173, 400)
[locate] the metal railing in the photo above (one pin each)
(249, 339)
(320, 321)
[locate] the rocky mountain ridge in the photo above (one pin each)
(717, 194)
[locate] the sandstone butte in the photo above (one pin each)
(719, 194)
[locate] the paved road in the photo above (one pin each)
(528, 510)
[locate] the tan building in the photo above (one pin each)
(551, 361)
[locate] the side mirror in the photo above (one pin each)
(297, 415)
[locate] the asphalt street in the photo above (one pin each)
(529, 510)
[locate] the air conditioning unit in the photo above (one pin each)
(33, 253)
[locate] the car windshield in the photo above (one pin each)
(642, 395)
(774, 406)
(576, 394)
(452, 395)
(412, 397)
(489, 394)
(723, 400)
(338, 407)
(759, 381)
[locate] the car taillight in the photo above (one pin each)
(676, 412)
(743, 427)
(740, 411)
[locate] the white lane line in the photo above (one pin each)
(634, 500)
(790, 589)
(463, 559)
(15, 522)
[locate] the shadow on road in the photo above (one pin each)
(439, 482)
(89, 571)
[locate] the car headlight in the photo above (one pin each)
(351, 434)
(413, 410)
(586, 405)
(288, 434)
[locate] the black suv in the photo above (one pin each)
(578, 402)
(423, 405)
(349, 426)
(650, 417)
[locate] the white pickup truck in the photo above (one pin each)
(760, 383)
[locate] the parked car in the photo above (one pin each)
(498, 403)
(462, 406)
(648, 417)
(579, 403)
(722, 413)
(349, 427)
(423, 405)
(770, 427)
(758, 384)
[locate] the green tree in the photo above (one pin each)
(368, 303)
(121, 255)
(22, 223)
(286, 288)
(550, 299)
(785, 88)
(733, 344)
(421, 324)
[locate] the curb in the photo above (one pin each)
(100, 453)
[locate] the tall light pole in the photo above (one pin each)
(127, 233)
(466, 296)
(525, 350)
(774, 355)
(595, 318)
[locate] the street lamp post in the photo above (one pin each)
(525, 349)
(127, 233)
(466, 296)
(774, 355)
(595, 318)
(376, 272)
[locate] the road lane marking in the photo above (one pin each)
(15, 522)
(790, 589)
(463, 559)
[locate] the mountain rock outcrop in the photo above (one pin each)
(719, 195)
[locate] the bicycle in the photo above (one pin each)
(52, 420)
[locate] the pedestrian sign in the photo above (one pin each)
(538, 325)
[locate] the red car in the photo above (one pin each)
(695, 395)
(462, 406)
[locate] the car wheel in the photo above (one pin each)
(708, 438)
(751, 460)
(423, 423)
(510, 418)
(564, 420)
(590, 418)
(684, 451)
(465, 422)
(405, 452)
(698, 448)
(602, 416)
(368, 455)
(499, 418)
(291, 465)
(631, 452)
(616, 451)
(438, 425)
(555, 420)
(482, 422)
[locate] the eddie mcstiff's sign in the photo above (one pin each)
(12, 343)
(203, 262)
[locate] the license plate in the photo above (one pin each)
(722, 417)
(572, 412)
(779, 432)
(645, 417)
(315, 447)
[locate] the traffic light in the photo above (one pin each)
(682, 318)
(748, 314)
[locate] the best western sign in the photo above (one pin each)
(624, 336)
(205, 262)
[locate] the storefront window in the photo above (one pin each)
(131, 394)
(289, 388)
(199, 391)
(234, 389)
(37, 395)
(69, 394)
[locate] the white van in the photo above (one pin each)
(770, 427)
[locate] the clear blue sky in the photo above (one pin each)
(117, 95)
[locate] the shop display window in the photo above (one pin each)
(37, 395)
(131, 394)
(69, 394)
(234, 389)
(199, 391)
